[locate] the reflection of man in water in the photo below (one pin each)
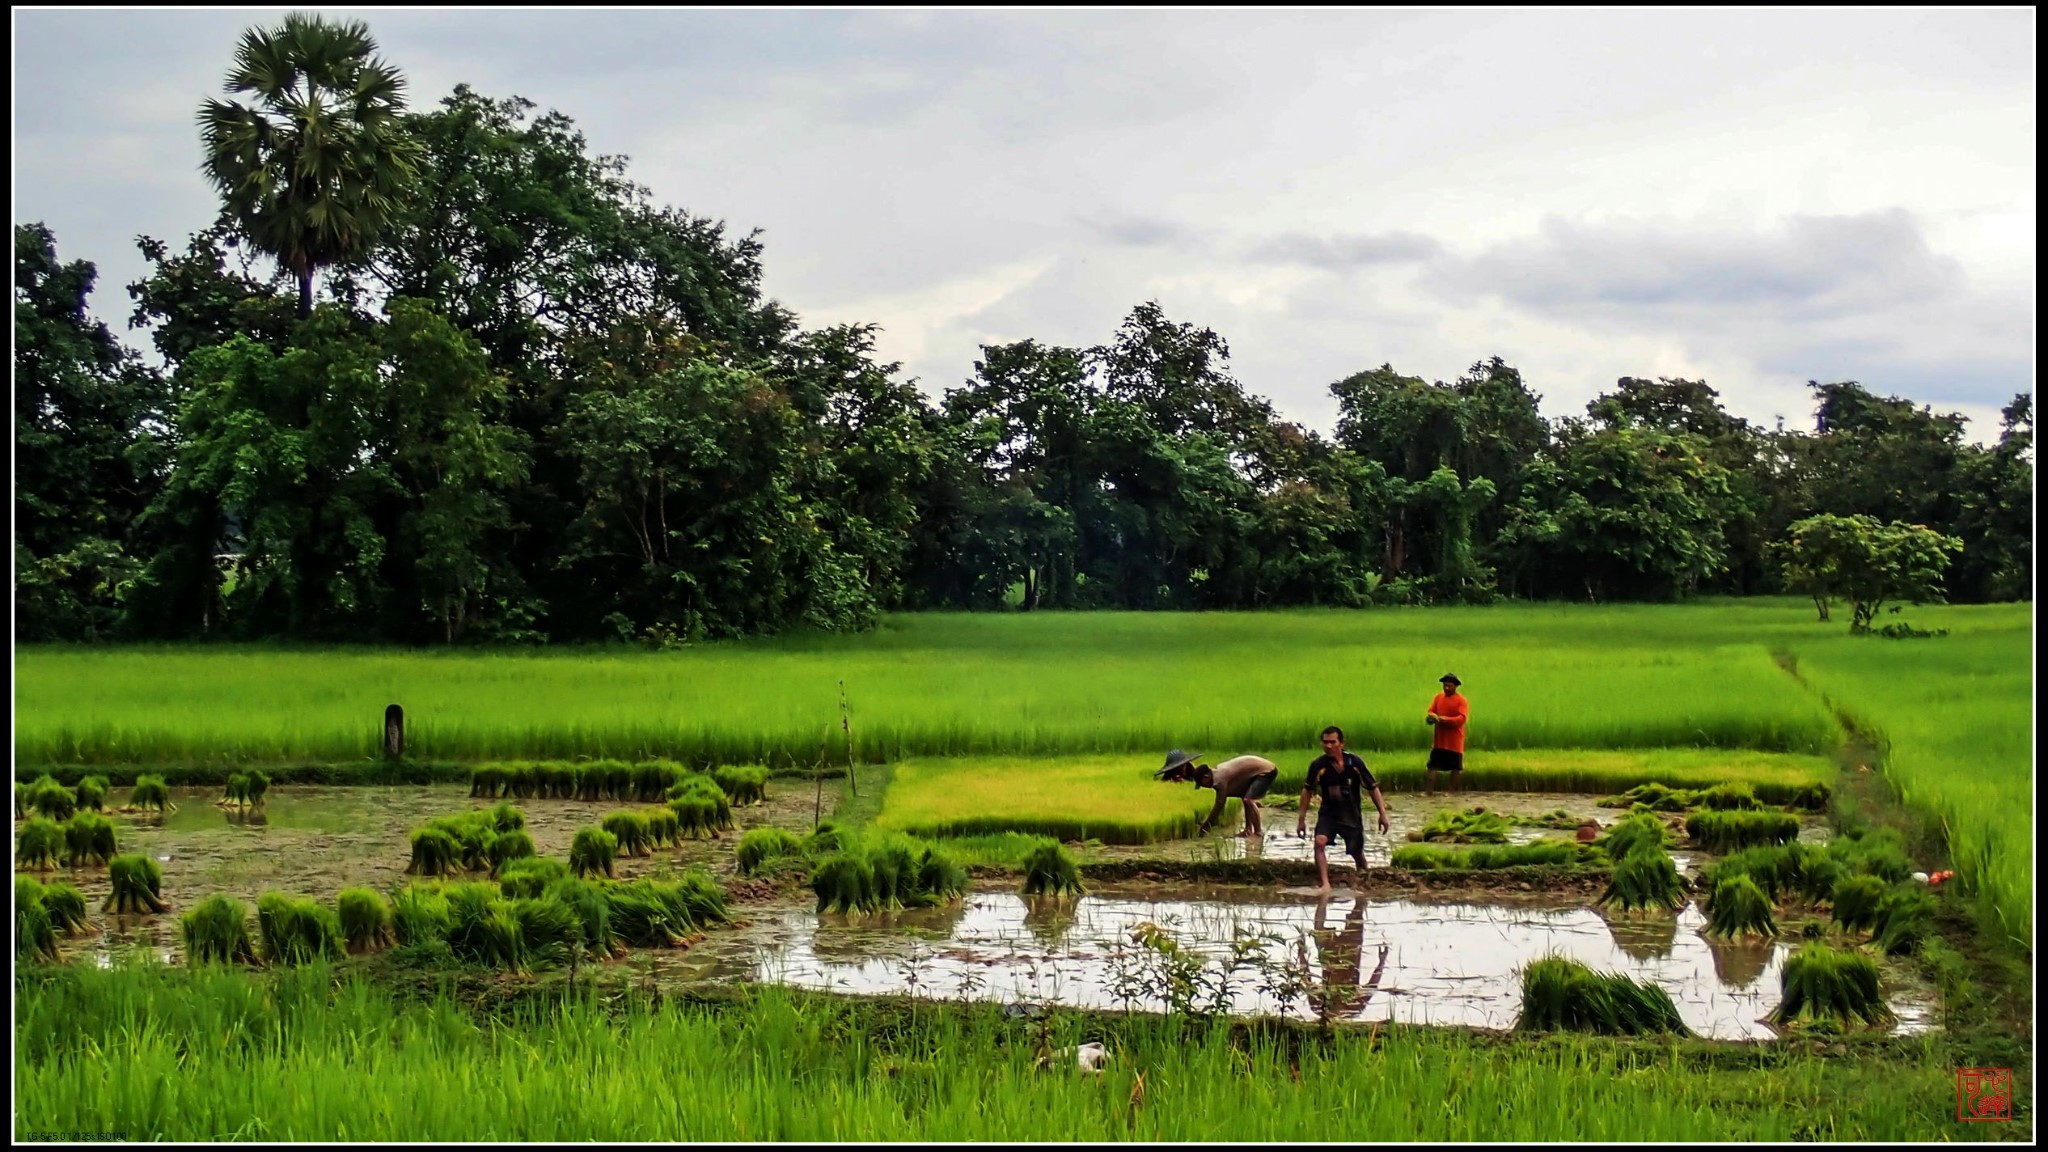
(1338, 953)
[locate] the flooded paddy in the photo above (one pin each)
(1415, 962)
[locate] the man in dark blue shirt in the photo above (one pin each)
(1340, 778)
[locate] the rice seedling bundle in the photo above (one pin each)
(894, 867)
(550, 931)
(700, 805)
(39, 844)
(89, 840)
(1645, 878)
(590, 782)
(365, 917)
(695, 897)
(151, 794)
(1827, 983)
(1737, 906)
(592, 905)
(630, 830)
(592, 851)
(1904, 917)
(92, 792)
(259, 786)
(1729, 797)
(1548, 853)
(1781, 870)
(509, 846)
(1564, 994)
(1639, 830)
(845, 882)
(744, 784)
(529, 876)
(1728, 831)
(237, 790)
(20, 801)
(1051, 869)
(1471, 826)
(522, 780)
(1654, 796)
(940, 877)
(824, 840)
(138, 884)
(487, 781)
(434, 853)
(640, 919)
(664, 827)
(1877, 852)
(760, 845)
(1555, 818)
(555, 781)
(1815, 873)
(297, 929)
(52, 799)
(35, 937)
(66, 906)
(216, 931)
(653, 778)
(419, 914)
(1855, 901)
(482, 928)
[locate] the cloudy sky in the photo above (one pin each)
(1756, 198)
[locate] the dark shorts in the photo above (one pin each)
(1259, 786)
(1353, 835)
(1445, 760)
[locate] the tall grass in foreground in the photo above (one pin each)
(1546, 676)
(206, 1055)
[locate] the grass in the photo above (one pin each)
(1560, 993)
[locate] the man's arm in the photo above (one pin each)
(1380, 803)
(1301, 812)
(1214, 813)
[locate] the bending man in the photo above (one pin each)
(1248, 778)
(1340, 778)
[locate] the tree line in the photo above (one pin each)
(535, 405)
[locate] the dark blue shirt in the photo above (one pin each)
(1341, 787)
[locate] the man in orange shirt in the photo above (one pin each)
(1447, 751)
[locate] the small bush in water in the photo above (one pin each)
(1728, 831)
(1904, 917)
(845, 882)
(1645, 878)
(1560, 993)
(39, 844)
(35, 937)
(434, 853)
(1737, 906)
(419, 914)
(1855, 902)
(297, 929)
(216, 931)
(1827, 983)
(630, 830)
(529, 876)
(89, 840)
(760, 845)
(365, 919)
(151, 794)
(137, 885)
(1472, 826)
(66, 906)
(92, 793)
(1050, 870)
(593, 851)
(744, 785)
(52, 799)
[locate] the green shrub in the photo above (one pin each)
(420, 915)
(92, 792)
(1855, 901)
(1738, 906)
(216, 931)
(297, 929)
(1830, 984)
(66, 906)
(744, 785)
(1645, 878)
(845, 882)
(137, 884)
(760, 845)
(151, 794)
(1904, 917)
(593, 851)
(1728, 831)
(1564, 994)
(630, 830)
(35, 937)
(365, 918)
(529, 876)
(1471, 826)
(52, 799)
(39, 845)
(89, 840)
(1051, 869)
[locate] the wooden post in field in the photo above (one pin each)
(846, 726)
(818, 805)
(394, 732)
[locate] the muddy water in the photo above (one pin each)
(1374, 960)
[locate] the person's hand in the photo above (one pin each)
(1429, 719)
(1301, 827)
(1383, 823)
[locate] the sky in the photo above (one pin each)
(1756, 198)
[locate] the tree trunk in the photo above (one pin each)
(305, 292)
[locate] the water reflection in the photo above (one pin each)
(1339, 953)
(1050, 918)
(1741, 961)
(1644, 935)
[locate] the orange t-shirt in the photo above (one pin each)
(1450, 725)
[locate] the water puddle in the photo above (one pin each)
(1364, 959)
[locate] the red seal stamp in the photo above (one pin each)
(1983, 1094)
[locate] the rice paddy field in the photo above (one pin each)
(1011, 743)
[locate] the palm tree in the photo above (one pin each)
(317, 165)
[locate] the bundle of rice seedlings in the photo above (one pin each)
(52, 799)
(365, 919)
(663, 825)
(237, 791)
(1880, 853)
(893, 863)
(216, 931)
(1637, 830)
(1728, 831)
(1827, 983)
(653, 778)
(20, 801)
(35, 937)
(940, 877)
(506, 817)
(1771, 866)
(1814, 873)
(845, 882)
(630, 830)
(297, 929)
(1447, 857)
(92, 793)
(487, 780)
(760, 845)
(697, 899)
(555, 781)
(618, 779)
(700, 805)
(824, 840)
(1645, 878)
(1855, 901)
(39, 844)
(137, 885)
(1561, 993)
(744, 784)
(151, 794)
(1812, 797)
(589, 781)
(522, 780)
(593, 850)
(640, 918)
(1730, 797)
(1903, 918)
(434, 853)
(1656, 797)
(1051, 869)
(419, 914)
(550, 931)
(259, 786)
(66, 906)
(1472, 826)
(1555, 818)
(89, 840)
(529, 876)
(593, 908)
(1737, 906)
(509, 846)
(482, 928)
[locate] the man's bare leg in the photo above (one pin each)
(1254, 829)
(1323, 862)
(1430, 786)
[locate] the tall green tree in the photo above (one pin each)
(1865, 562)
(316, 165)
